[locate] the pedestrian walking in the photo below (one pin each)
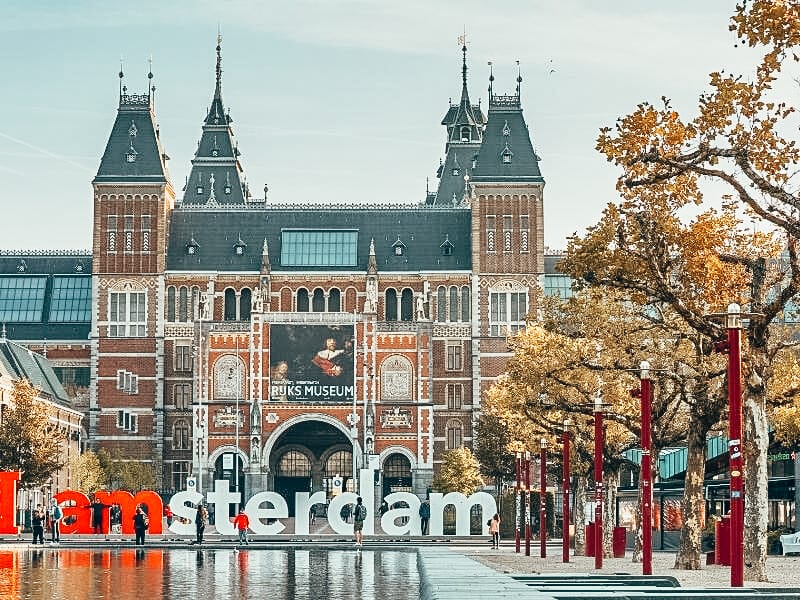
(359, 514)
(424, 516)
(37, 524)
(241, 522)
(494, 530)
(200, 522)
(56, 514)
(141, 522)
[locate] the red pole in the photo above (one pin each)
(734, 324)
(565, 492)
(527, 503)
(598, 483)
(517, 500)
(543, 500)
(647, 473)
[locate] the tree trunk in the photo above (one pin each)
(579, 516)
(611, 483)
(688, 556)
(756, 447)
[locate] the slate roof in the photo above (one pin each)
(21, 363)
(216, 177)
(506, 128)
(46, 264)
(422, 231)
(460, 157)
(134, 134)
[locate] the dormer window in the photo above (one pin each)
(227, 188)
(447, 246)
(22, 266)
(465, 134)
(506, 155)
(456, 171)
(398, 248)
(506, 129)
(239, 246)
(215, 152)
(192, 247)
(200, 190)
(130, 156)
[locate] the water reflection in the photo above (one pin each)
(152, 573)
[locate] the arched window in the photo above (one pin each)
(294, 464)
(245, 303)
(183, 305)
(407, 305)
(194, 306)
(455, 434)
(170, 303)
(339, 463)
(302, 300)
(465, 134)
(465, 304)
(230, 304)
(334, 300)
(441, 305)
(391, 304)
(180, 435)
(454, 304)
(318, 302)
(397, 465)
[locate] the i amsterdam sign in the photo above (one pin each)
(264, 509)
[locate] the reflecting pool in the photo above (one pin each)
(186, 574)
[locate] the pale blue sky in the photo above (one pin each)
(334, 100)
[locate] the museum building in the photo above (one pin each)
(278, 345)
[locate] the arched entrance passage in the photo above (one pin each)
(229, 465)
(396, 474)
(309, 456)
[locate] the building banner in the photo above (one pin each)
(312, 363)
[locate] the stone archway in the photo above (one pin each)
(301, 453)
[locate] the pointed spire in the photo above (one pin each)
(519, 79)
(464, 67)
(491, 81)
(121, 76)
(218, 89)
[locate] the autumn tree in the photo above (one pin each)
(459, 472)
(89, 475)
(122, 473)
(595, 342)
(492, 450)
(28, 441)
(740, 139)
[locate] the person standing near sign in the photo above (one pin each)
(200, 522)
(55, 518)
(140, 524)
(241, 522)
(359, 515)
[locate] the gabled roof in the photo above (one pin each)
(21, 363)
(457, 164)
(216, 177)
(421, 229)
(133, 152)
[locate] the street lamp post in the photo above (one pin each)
(734, 325)
(527, 466)
(647, 472)
(543, 500)
(518, 500)
(598, 483)
(565, 492)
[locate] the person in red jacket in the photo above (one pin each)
(241, 522)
